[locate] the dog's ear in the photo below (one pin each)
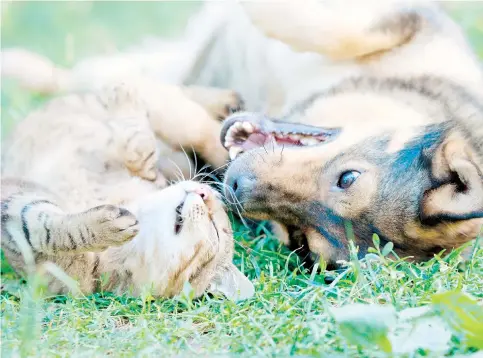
(232, 283)
(458, 197)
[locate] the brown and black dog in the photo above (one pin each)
(396, 150)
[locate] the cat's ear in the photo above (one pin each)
(232, 283)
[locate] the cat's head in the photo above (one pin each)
(196, 240)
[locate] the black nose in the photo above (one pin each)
(239, 187)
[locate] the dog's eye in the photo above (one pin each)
(347, 178)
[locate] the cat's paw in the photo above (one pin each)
(122, 98)
(141, 155)
(111, 225)
(131, 125)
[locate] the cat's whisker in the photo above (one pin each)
(196, 163)
(188, 159)
(200, 173)
(180, 177)
(237, 204)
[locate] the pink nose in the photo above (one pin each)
(203, 191)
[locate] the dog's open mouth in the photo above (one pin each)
(244, 131)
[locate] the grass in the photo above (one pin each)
(294, 312)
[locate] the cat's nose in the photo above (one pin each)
(203, 191)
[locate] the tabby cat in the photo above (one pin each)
(84, 187)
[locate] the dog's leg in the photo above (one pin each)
(340, 30)
(35, 72)
(384, 38)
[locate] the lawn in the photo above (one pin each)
(390, 307)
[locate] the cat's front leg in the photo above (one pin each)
(33, 220)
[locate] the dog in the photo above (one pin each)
(371, 116)
(395, 150)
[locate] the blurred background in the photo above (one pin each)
(66, 31)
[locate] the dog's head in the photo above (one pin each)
(389, 156)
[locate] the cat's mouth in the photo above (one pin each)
(180, 218)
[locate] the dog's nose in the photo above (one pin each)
(239, 187)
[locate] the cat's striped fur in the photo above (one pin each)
(82, 187)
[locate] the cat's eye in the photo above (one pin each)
(178, 221)
(347, 178)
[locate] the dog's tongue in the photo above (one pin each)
(257, 140)
(245, 131)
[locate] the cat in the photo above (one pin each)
(82, 187)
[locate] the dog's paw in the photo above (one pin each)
(229, 102)
(111, 226)
(220, 103)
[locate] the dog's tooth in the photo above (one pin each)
(229, 136)
(309, 141)
(234, 151)
(247, 126)
(279, 135)
(232, 132)
(294, 137)
(237, 126)
(304, 140)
